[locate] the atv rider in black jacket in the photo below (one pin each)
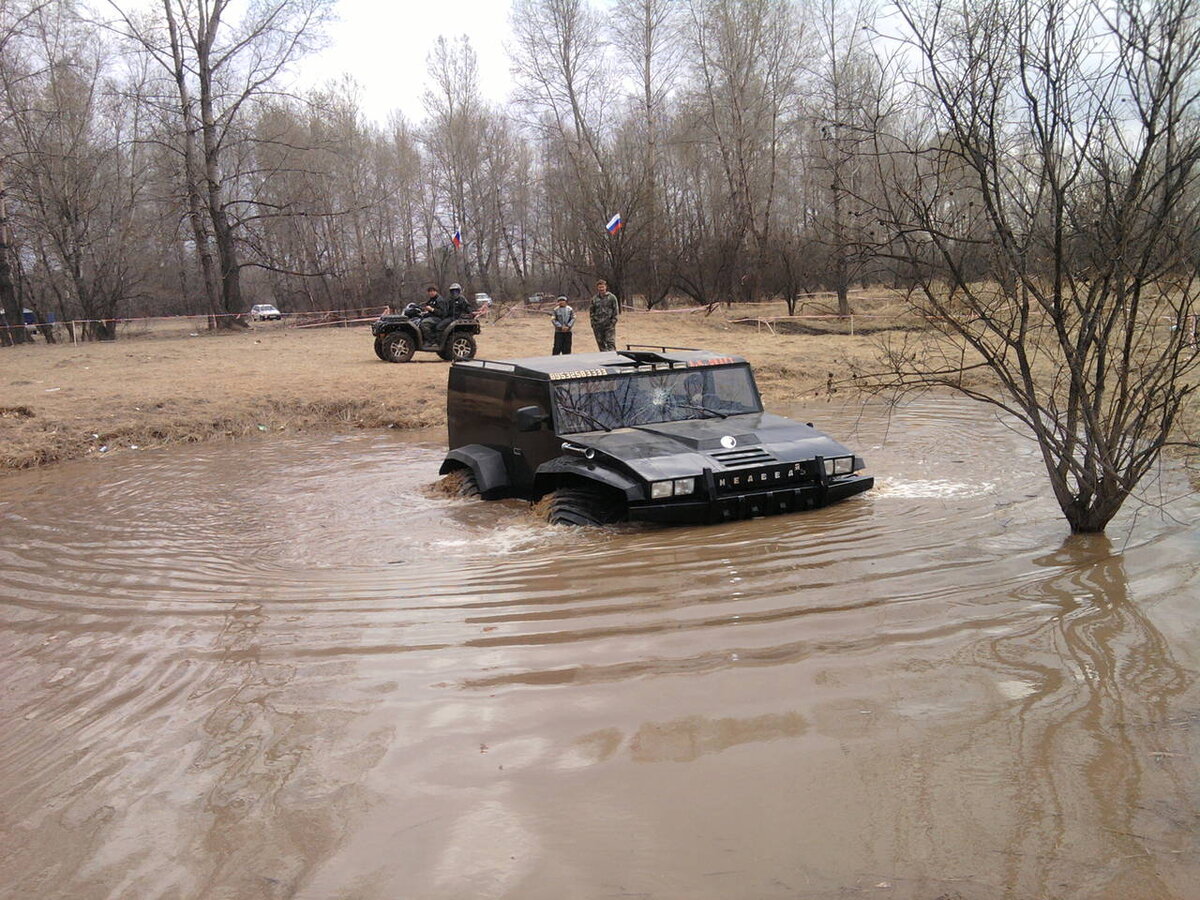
(438, 313)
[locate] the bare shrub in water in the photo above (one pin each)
(1047, 206)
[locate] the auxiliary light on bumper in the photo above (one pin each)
(839, 465)
(679, 487)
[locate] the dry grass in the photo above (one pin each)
(169, 384)
(165, 386)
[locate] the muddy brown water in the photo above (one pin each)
(285, 669)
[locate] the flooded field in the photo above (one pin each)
(288, 669)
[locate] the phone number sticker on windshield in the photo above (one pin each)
(582, 373)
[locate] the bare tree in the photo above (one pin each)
(746, 58)
(567, 90)
(77, 195)
(13, 17)
(646, 35)
(459, 133)
(219, 70)
(1076, 127)
(847, 103)
(11, 329)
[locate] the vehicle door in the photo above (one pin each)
(531, 448)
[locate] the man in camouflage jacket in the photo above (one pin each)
(603, 316)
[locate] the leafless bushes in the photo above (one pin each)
(723, 131)
(1048, 201)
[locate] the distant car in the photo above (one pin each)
(262, 311)
(482, 301)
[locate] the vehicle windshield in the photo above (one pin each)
(644, 398)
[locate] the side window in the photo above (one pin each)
(528, 393)
(477, 399)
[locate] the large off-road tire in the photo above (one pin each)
(379, 348)
(461, 483)
(461, 346)
(581, 505)
(397, 347)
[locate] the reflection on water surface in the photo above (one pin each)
(288, 669)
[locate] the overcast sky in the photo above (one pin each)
(383, 45)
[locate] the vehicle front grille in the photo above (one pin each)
(762, 478)
(742, 458)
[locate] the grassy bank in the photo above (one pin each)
(174, 386)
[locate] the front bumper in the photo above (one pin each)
(751, 504)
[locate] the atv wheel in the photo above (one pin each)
(583, 506)
(397, 347)
(379, 348)
(462, 346)
(461, 483)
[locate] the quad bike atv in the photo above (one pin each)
(398, 337)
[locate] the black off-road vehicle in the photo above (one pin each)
(398, 336)
(663, 435)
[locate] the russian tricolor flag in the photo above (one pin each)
(614, 224)
(457, 239)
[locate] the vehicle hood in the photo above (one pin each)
(682, 449)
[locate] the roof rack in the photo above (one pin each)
(657, 347)
(643, 357)
(583, 365)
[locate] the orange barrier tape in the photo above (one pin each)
(125, 320)
(333, 322)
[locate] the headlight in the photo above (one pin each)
(661, 489)
(684, 486)
(839, 465)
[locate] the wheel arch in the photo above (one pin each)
(459, 326)
(564, 470)
(487, 464)
(392, 327)
(401, 332)
(446, 348)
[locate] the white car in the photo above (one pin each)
(482, 301)
(262, 311)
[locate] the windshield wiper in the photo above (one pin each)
(579, 412)
(703, 409)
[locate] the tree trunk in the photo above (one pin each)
(191, 165)
(12, 325)
(231, 272)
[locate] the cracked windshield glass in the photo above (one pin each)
(646, 398)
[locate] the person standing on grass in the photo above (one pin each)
(564, 323)
(603, 316)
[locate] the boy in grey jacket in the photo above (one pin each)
(564, 322)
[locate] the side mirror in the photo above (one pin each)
(530, 418)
